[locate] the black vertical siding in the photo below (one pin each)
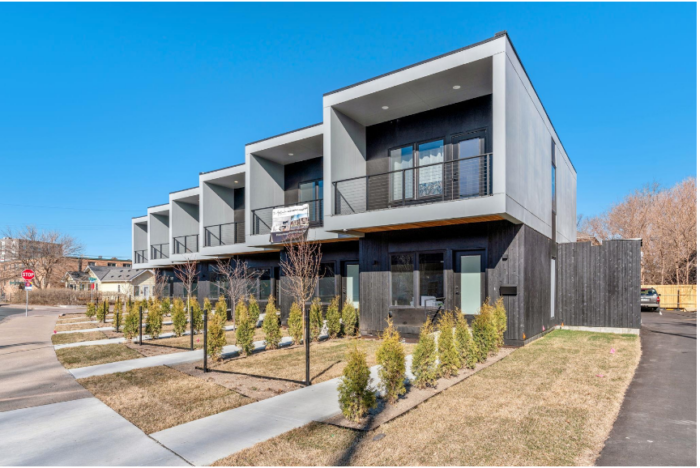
(598, 286)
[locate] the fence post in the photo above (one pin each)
(206, 320)
(141, 325)
(678, 299)
(307, 345)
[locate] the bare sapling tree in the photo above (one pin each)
(187, 274)
(300, 268)
(161, 283)
(237, 278)
(44, 252)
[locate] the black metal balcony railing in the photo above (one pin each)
(449, 180)
(159, 251)
(140, 256)
(262, 217)
(224, 234)
(186, 244)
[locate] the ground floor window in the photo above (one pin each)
(417, 272)
(326, 282)
(260, 283)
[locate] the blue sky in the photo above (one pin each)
(106, 108)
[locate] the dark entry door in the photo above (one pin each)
(470, 280)
(351, 283)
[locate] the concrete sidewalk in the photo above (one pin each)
(657, 424)
(161, 360)
(204, 441)
(82, 432)
(29, 371)
(47, 418)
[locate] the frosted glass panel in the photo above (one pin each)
(470, 283)
(353, 285)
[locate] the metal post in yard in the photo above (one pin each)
(26, 305)
(678, 299)
(206, 320)
(307, 345)
(141, 325)
(191, 325)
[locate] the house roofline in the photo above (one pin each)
(283, 134)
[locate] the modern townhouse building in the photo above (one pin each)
(440, 183)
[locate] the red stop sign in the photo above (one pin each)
(28, 275)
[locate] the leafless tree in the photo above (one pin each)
(187, 273)
(238, 279)
(42, 251)
(665, 220)
(301, 268)
(161, 282)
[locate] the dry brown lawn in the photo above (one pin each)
(157, 398)
(553, 402)
(67, 338)
(83, 356)
(327, 360)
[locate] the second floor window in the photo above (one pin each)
(312, 192)
(417, 170)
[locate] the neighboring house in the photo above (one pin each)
(135, 283)
(76, 280)
(584, 237)
(442, 182)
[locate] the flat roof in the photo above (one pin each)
(221, 169)
(285, 133)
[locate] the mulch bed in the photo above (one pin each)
(413, 397)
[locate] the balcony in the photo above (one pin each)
(262, 217)
(159, 251)
(185, 244)
(450, 180)
(140, 256)
(224, 234)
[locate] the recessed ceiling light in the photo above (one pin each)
(456, 87)
(385, 107)
(235, 181)
(291, 154)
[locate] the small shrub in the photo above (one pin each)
(424, 366)
(154, 321)
(253, 311)
(240, 306)
(484, 331)
(466, 348)
(333, 318)
(315, 318)
(117, 321)
(165, 306)
(245, 333)
(179, 317)
(354, 396)
(197, 317)
(500, 318)
(102, 311)
(220, 308)
(216, 336)
(349, 319)
(131, 323)
(447, 351)
(90, 311)
(392, 359)
(271, 325)
(207, 307)
(296, 323)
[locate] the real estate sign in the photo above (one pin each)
(289, 221)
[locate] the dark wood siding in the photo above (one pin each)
(598, 286)
(303, 171)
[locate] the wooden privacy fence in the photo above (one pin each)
(599, 286)
(673, 296)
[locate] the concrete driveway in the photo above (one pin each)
(657, 424)
(47, 418)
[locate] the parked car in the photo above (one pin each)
(650, 299)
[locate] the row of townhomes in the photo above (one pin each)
(442, 182)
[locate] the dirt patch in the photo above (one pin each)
(384, 413)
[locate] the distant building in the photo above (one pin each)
(112, 281)
(584, 237)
